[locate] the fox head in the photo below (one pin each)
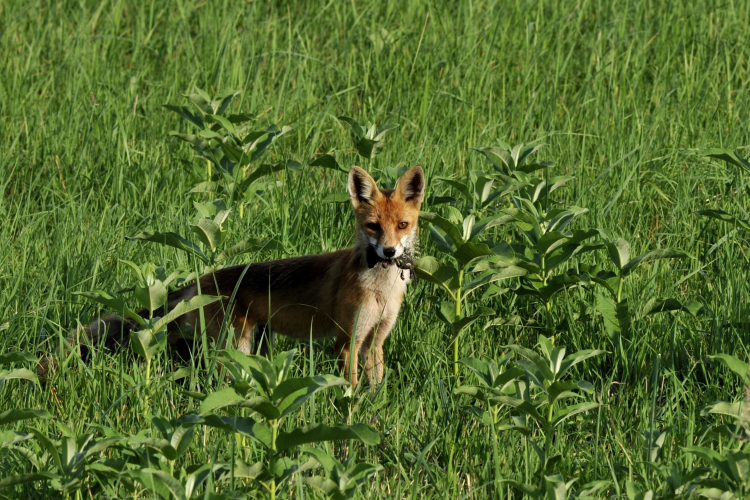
(387, 218)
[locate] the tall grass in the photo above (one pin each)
(622, 92)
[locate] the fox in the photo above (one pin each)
(354, 294)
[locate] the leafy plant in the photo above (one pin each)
(613, 306)
(227, 143)
(267, 388)
(209, 229)
(458, 239)
(65, 462)
(534, 389)
(342, 480)
(730, 465)
(367, 140)
(151, 293)
(18, 373)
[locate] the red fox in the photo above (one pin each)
(328, 294)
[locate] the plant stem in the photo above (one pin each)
(275, 429)
(458, 316)
(619, 290)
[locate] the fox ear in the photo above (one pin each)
(410, 186)
(362, 187)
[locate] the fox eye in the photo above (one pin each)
(373, 226)
(402, 225)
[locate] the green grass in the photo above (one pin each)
(622, 92)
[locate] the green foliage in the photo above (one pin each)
(267, 388)
(17, 373)
(367, 140)
(209, 230)
(533, 393)
(617, 91)
(228, 143)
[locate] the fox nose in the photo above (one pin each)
(389, 252)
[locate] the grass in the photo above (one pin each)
(622, 92)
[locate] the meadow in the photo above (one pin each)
(643, 112)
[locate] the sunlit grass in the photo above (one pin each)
(622, 93)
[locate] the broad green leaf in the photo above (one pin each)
(466, 253)
(293, 392)
(259, 172)
(739, 367)
(355, 127)
(458, 186)
(491, 277)
(8, 438)
(447, 312)
(468, 224)
(558, 219)
(485, 370)
(573, 359)
(561, 388)
(381, 131)
(184, 307)
(368, 148)
(249, 245)
(194, 118)
(443, 243)
(729, 157)
(663, 253)
(32, 477)
(726, 217)
(118, 305)
(14, 415)
(147, 344)
(225, 123)
(733, 410)
(489, 222)
(151, 297)
(245, 426)
(172, 240)
(336, 198)
(619, 252)
(548, 240)
(454, 232)
(561, 415)
(201, 100)
(160, 445)
(465, 321)
(18, 357)
(317, 433)
(432, 270)
(18, 373)
(158, 482)
(327, 161)
(222, 101)
(196, 478)
(522, 406)
(262, 406)
(535, 358)
(499, 157)
(605, 305)
(208, 232)
(220, 399)
(655, 305)
(528, 489)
